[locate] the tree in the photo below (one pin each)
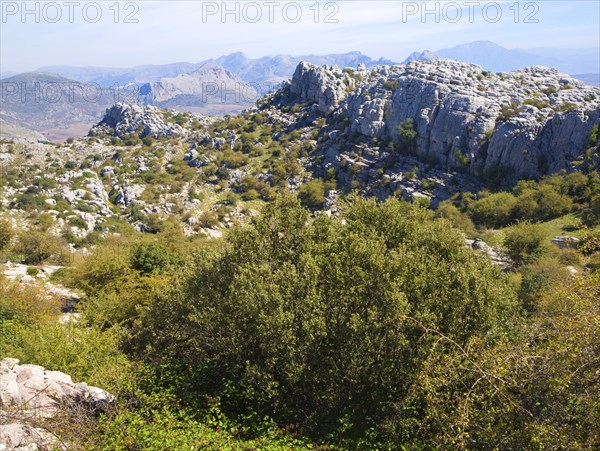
(36, 246)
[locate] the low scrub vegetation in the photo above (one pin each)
(375, 330)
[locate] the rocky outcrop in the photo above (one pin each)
(126, 195)
(29, 394)
(496, 256)
(324, 86)
(124, 119)
(521, 124)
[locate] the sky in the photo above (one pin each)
(129, 33)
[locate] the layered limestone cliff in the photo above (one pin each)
(521, 124)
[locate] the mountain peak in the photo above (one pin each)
(425, 55)
(41, 77)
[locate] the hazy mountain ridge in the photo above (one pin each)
(45, 101)
(273, 70)
(192, 84)
(107, 77)
(259, 70)
(496, 58)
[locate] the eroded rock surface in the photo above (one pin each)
(29, 394)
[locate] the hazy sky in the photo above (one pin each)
(122, 34)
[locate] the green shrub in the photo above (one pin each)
(36, 246)
(525, 243)
(590, 243)
(321, 325)
(153, 258)
(537, 278)
(458, 219)
(86, 354)
(461, 158)
(208, 219)
(249, 195)
(33, 272)
(538, 103)
(407, 136)
(509, 111)
(566, 107)
(6, 234)
(312, 194)
(493, 210)
(391, 85)
(78, 222)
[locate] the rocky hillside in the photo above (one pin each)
(52, 105)
(517, 125)
(421, 131)
(210, 86)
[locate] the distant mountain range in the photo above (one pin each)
(268, 69)
(109, 77)
(219, 86)
(210, 89)
(496, 58)
(275, 69)
(52, 105)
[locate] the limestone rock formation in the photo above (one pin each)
(29, 394)
(321, 85)
(521, 124)
(126, 119)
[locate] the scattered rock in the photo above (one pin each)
(497, 257)
(565, 242)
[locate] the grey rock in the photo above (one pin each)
(322, 86)
(107, 171)
(465, 118)
(126, 119)
(28, 393)
(126, 195)
(24, 437)
(565, 242)
(497, 257)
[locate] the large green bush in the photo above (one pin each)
(312, 194)
(493, 210)
(321, 325)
